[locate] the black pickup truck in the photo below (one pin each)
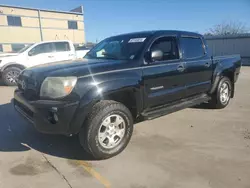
(122, 80)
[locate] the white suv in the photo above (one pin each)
(36, 54)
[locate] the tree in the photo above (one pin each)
(228, 28)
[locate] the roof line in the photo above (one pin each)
(46, 10)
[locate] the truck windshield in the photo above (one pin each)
(123, 47)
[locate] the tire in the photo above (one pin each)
(217, 101)
(95, 136)
(10, 75)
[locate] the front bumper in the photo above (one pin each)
(48, 116)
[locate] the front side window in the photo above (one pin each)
(72, 25)
(62, 46)
(24, 48)
(123, 47)
(1, 48)
(17, 47)
(14, 20)
(192, 47)
(41, 48)
(168, 46)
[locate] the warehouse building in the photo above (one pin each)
(20, 26)
(231, 44)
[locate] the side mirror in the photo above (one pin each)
(156, 55)
(31, 53)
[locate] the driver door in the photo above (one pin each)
(164, 79)
(41, 54)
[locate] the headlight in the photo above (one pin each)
(57, 87)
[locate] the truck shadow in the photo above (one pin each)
(203, 106)
(16, 135)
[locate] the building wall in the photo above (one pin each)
(18, 11)
(54, 26)
(22, 35)
(229, 45)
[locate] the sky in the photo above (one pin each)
(104, 18)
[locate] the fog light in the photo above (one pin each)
(53, 117)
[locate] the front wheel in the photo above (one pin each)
(10, 76)
(222, 96)
(108, 130)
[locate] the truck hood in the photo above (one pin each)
(75, 68)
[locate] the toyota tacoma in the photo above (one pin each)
(123, 80)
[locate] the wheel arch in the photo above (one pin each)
(22, 67)
(226, 73)
(125, 91)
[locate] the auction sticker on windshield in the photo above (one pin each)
(136, 40)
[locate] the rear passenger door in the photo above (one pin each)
(63, 51)
(163, 79)
(198, 71)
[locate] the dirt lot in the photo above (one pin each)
(192, 148)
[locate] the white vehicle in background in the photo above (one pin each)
(81, 51)
(7, 54)
(36, 54)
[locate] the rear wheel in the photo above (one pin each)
(108, 130)
(10, 76)
(222, 96)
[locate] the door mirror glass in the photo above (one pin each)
(31, 52)
(156, 55)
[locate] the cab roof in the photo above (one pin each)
(168, 32)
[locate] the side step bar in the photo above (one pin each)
(185, 103)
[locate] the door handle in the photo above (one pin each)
(180, 68)
(50, 56)
(207, 64)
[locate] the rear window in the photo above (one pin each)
(192, 47)
(62, 46)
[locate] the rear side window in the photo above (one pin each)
(42, 48)
(168, 46)
(1, 48)
(192, 47)
(62, 46)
